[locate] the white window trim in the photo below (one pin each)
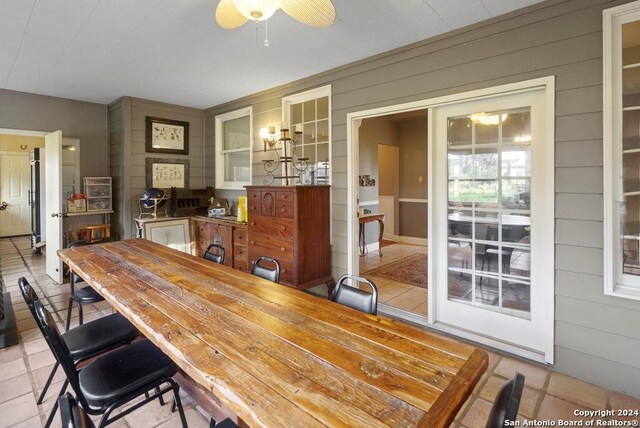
(220, 183)
(312, 94)
(615, 282)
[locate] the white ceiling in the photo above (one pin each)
(173, 50)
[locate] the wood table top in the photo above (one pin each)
(277, 356)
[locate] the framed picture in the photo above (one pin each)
(167, 136)
(174, 234)
(166, 173)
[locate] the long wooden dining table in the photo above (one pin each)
(276, 356)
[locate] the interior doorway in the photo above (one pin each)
(392, 196)
(15, 213)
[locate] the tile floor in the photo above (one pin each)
(395, 293)
(25, 367)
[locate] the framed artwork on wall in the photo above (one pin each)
(166, 173)
(174, 234)
(166, 136)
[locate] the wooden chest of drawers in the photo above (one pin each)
(232, 237)
(292, 225)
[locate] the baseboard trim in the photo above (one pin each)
(406, 239)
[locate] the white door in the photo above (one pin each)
(53, 198)
(493, 214)
(15, 212)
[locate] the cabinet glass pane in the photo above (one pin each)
(236, 133)
(631, 130)
(631, 43)
(323, 108)
(631, 172)
(309, 133)
(309, 111)
(236, 167)
(631, 87)
(296, 113)
(323, 131)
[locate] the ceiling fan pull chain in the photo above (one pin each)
(266, 33)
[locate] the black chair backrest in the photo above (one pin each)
(213, 257)
(507, 402)
(264, 271)
(58, 347)
(73, 416)
(355, 298)
(30, 297)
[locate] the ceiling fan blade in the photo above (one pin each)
(228, 16)
(317, 13)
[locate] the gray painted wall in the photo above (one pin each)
(127, 116)
(597, 338)
(76, 119)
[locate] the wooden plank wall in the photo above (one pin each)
(127, 118)
(597, 338)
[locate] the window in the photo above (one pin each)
(233, 149)
(621, 32)
(309, 112)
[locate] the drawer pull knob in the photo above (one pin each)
(282, 210)
(253, 242)
(283, 227)
(253, 223)
(283, 249)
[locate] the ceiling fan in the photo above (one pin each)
(232, 14)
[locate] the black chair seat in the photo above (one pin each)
(88, 340)
(123, 372)
(87, 295)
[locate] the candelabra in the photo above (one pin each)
(294, 167)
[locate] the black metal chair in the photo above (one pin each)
(355, 298)
(115, 379)
(82, 295)
(272, 274)
(213, 257)
(73, 416)
(85, 341)
(505, 408)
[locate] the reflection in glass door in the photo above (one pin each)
(489, 196)
(493, 230)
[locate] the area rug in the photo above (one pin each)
(410, 270)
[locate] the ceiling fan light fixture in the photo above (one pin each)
(257, 10)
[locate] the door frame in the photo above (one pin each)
(354, 120)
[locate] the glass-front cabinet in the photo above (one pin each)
(309, 112)
(621, 33)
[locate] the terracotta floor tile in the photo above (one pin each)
(18, 409)
(40, 376)
(577, 391)
(11, 353)
(11, 369)
(619, 401)
(14, 387)
(194, 419)
(41, 359)
(29, 423)
(31, 334)
(477, 415)
(35, 346)
(554, 408)
(535, 376)
(494, 359)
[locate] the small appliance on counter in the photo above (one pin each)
(218, 208)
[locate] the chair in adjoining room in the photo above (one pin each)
(140, 370)
(215, 253)
(260, 269)
(505, 408)
(355, 298)
(83, 295)
(85, 341)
